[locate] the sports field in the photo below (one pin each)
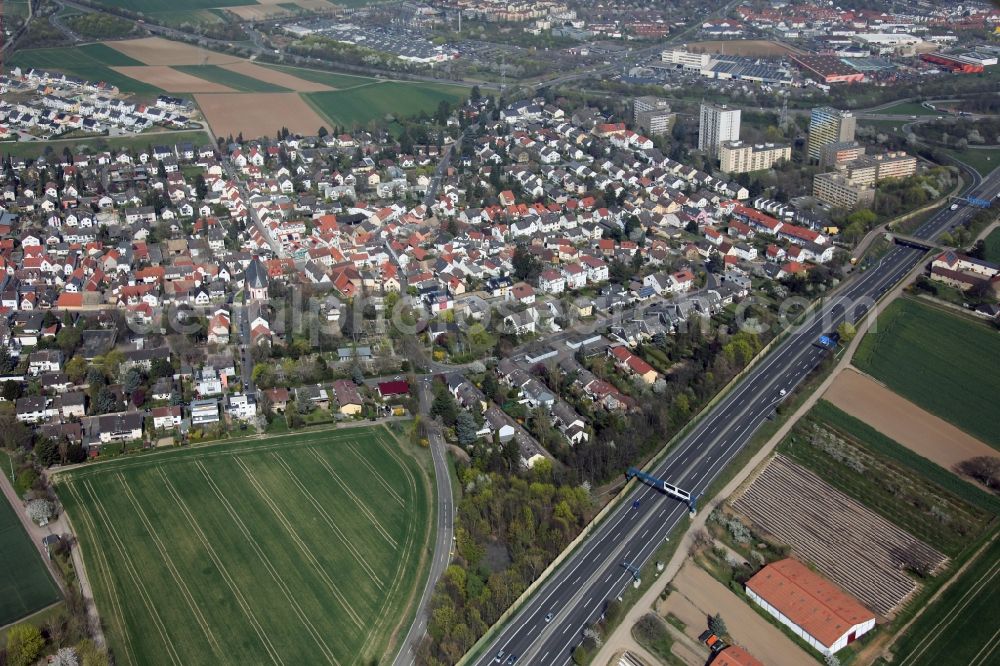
(305, 548)
(940, 361)
(359, 105)
(25, 584)
(961, 628)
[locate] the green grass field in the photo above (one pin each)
(942, 362)
(991, 245)
(25, 583)
(304, 548)
(92, 62)
(890, 482)
(961, 628)
(983, 161)
(234, 80)
(356, 107)
(91, 55)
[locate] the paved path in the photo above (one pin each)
(443, 530)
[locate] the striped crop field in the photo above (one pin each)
(302, 548)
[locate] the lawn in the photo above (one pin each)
(962, 627)
(92, 62)
(868, 466)
(983, 161)
(25, 583)
(234, 80)
(356, 107)
(991, 245)
(301, 548)
(943, 362)
(29, 149)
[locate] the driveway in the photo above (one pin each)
(697, 596)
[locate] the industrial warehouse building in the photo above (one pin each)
(816, 610)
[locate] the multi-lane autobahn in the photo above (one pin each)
(551, 624)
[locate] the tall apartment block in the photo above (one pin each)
(828, 125)
(653, 115)
(717, 124)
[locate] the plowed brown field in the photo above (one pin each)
(897, 418)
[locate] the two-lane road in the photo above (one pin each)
(549, 626)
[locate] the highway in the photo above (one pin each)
(577, 593)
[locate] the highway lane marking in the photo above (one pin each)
(608, 578)
(544, 656)
(808, 330)
(577, 580)
(568, 627)
(644, 534)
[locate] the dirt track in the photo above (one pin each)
(699, 596)
(258, 114)
(899, 419)
(171, 80)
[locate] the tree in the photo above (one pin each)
(39, 510)
(160, 368)
(105, 402)
(847, 332)
(357, 374)
(985, 469)
(11, 391)
(444, 407)
(7, 362)
(24, 644)
(718, 625)
(465, 428)
(76, 369)
(14, 435)
(132, 380)
(65, 657)
(47, 451)
(526, 265)
(68, 338)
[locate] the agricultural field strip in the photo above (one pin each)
(299, 542)
(320, 437)
(371, 468)
(103, 572)
(357, 501)
(172, 568)
(328, 519)
(408, 552)
(268, 565)
(984, 583)
(382, 616)
(845, 540)
(930, 357)
(133, 574)
(245, 605)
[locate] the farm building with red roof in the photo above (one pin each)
(815, 609)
